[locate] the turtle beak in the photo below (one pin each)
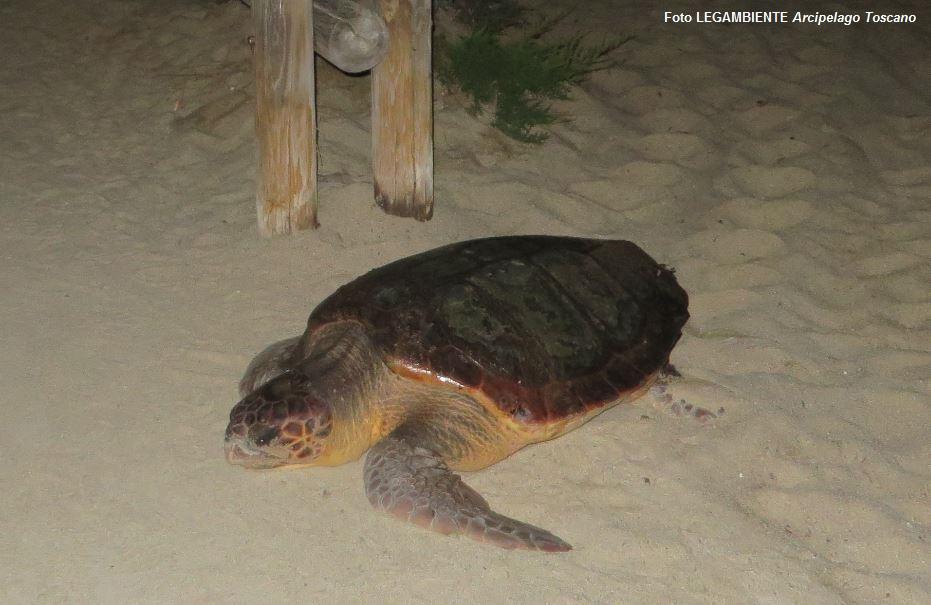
(235, 454)
(239, 453)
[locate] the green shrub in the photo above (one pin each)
(518, 77)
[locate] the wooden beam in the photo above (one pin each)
(285, 118)
(402, 112)
(350, 34)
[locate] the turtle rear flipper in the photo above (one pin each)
(413, 484)
(274, 361)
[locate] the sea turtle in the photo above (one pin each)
(454, 359)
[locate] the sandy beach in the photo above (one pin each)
(784, 170)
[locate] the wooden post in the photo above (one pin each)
(285, 119)
(402, 112)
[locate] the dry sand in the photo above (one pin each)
(784, 170)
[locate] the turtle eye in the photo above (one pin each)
(521, 413)
(264, 435)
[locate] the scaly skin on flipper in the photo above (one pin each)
(413, 484)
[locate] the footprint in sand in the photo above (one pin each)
(764, 117)
(688, 73)
(689, 397)
(842, 529)
(712, 305)
(633, 185)
(772, 181)
(908, 315)
(688, 150)
(723, 96)
(886, 263)
(921, 247)
(604, 192)
(654, 174)
(644, 99)
(773, 151)
(736, 246)
(755, 213)
(907, 177)
(910, 287)
(675, 119)
(711, 278)
(614, 81)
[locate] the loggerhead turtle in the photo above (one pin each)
(455, 359)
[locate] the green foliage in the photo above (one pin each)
(519, 77)
(489, 15)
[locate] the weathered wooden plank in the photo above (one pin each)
(402, 112)
(285, 122)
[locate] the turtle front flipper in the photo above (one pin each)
(413, 483)
(272, 362)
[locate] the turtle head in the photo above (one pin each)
(280, 423)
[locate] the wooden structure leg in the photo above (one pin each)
(285, 116)
(402, 112)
